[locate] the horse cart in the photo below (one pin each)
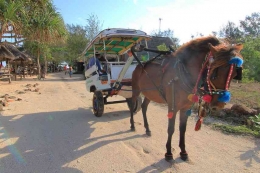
(113, 45)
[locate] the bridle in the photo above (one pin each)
(224, 94)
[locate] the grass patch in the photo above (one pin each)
(246, 93)
(239, 130)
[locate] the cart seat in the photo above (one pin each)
(89, 72)
(116, 69)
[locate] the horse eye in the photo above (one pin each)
(214, 74)
(214, 77)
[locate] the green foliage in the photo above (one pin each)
(249, 34)
(45, 25)
(231, 31)
(246, 76)
(240, 130)
(251, 54)
(256, 122)
(79, 36)
(76, 42)
(9, 17)
(39, 49)
(57, 53)
(162, 47)
(251, 25)
(144, 57)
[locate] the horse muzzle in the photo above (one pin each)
(216, 106)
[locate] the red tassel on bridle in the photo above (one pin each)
(198, 124)
(207, 98)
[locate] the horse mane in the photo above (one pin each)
(196, 46)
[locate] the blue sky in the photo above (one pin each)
(184, 17)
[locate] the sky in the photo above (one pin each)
(184, 17)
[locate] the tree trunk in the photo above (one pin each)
(15, 71)
(39, 65)
(45, 64)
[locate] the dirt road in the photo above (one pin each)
(54, 130)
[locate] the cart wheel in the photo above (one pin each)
(98, 103)
(138, 104)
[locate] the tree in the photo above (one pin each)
(93, 26)
(10, 13)
(166, 33)
(214, 33)
(76, 42)
(251, 54)
(231, 32)
(44, 26)
(251, 25)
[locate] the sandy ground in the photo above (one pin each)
(54, 130)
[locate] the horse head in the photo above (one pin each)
(223, 66)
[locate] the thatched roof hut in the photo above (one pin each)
(18, 54)
(30, 57)
(5, 54)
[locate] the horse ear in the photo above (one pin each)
(238, 47)
(212, 48)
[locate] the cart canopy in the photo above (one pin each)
(115, 41)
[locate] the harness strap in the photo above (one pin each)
(208, 81)
(182, 71)
(160, 92)
(165, 67)
(229, 75)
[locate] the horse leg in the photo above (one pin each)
(132, 104)
(144, 109)
(182, 128)
(171, 124)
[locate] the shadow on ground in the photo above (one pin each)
(251, 155)
(36, 142)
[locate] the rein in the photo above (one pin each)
(201, 71)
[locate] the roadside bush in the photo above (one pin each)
(246, 76)
(255, 122)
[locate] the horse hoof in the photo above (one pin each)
(184, 156)
(148, 133)
(132, 129)
(168, 157)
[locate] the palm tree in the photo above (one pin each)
(10, 21)
(37, 22)
(44, 27)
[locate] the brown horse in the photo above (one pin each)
(201, 67)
